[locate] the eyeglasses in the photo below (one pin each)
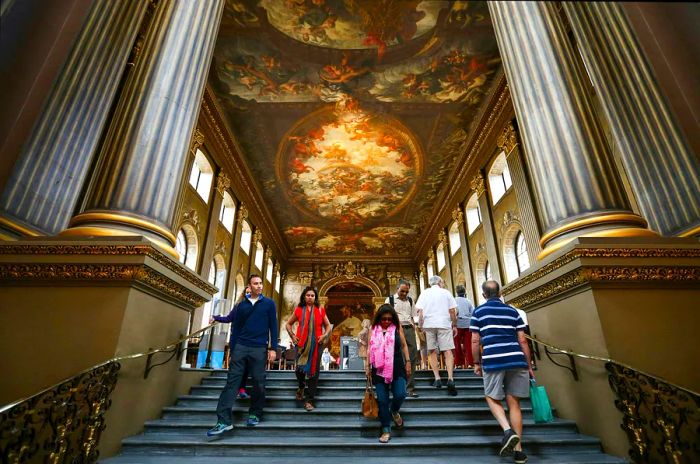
(387, 319)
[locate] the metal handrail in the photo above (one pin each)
(109, 361)
(609, 360)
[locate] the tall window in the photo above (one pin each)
(473, 213)
(421, 281)
(499, 178)
(259, 251)
(186, 246)
(278, 281)
(455, 241)
(201, 175)
(441, 257)
(217, 277)
(181, 246)
(487, 271)
(268, 271)
(431, 269)
(228, 211)
(246, 236)
(521, 258)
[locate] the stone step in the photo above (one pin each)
(356, 374)
(240, 412)
(291, 382)
(232, 444)
(339, 391)
(581, 458)
(357, 427)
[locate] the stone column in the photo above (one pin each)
(458, 216)
(43, 188)
(143, 157)
(508, 142)
(479, 186)
(575, 182)
(663, 171)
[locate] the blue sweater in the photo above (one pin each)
(260, 325)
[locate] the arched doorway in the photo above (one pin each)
(347, 304)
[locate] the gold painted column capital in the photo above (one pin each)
(477, 184)
(508, 139)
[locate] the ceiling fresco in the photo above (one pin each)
(351, 114)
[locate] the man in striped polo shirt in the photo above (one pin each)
(505, 364)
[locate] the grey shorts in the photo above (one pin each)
(513, 382)
(440, 339)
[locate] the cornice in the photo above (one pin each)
(498, 106)
(213, 119)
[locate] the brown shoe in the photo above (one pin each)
(300, 394)
(308, 406)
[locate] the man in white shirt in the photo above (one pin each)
(403, 305)
(437, 314)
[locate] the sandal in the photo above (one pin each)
(385, 437)
(300, 394)
(398, 420)
(308, 406)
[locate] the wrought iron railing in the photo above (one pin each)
(661, 419)
(63, 423)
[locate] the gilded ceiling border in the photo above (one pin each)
(212, 118)
(491, 120)
(591, 273)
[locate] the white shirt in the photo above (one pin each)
(436, 302)
(403, 310)
(523, 315)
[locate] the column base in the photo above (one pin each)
(11, 229)
(115, 225)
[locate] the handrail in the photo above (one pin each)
(109, 361)
(609, 360)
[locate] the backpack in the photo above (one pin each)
(391, 301)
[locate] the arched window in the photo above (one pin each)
(521, 257)
(201, 175)
(440, 255)
(473, 213)
(217, 277)
(181, 246)
(186, 246)
(455, 240)
(268, 270)
(228, 211)
(278, 282)
(246, 236)
(240, 285)
(259, 251)
(487, 271)
(431, 269)
(499, 178)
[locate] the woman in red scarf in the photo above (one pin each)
(312, 332)
(389, 365)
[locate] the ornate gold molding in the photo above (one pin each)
(394, 278)
(192, 217)
(223, 183)
(108, 250)
(305, 278)
(477, 184)
(609, 218)
(242, 215)
(257, 236)
(142, 224)
(442, 238)
(593, 274)
(197, 140)
(458, 216)
(508, 140)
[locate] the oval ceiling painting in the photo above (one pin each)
(349, 167)
(353, 24)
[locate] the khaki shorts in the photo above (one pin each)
(513, 382)
(440, 339)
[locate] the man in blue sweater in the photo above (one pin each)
(255, 326)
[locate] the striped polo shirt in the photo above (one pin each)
(497, 325)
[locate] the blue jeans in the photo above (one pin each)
(398, 391)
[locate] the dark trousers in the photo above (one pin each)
(310, 384)
(252, 359)
(410, 334)
(463, 348)
(386, 406)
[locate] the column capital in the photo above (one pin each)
(477, 184)
(257, 236)
(442, 237)
(394, 278)
(305, 278)
(197, 140)
(508, 139)
(458, 216)
(242, 214)
(223, 182)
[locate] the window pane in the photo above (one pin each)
(441, 257)
(268, 271)
(194, 175)
(259, 256)
(181, 246)
(246, 236)
(487, 271)
(431, 271)
(455, 241)
(521, 253)
(506, 178)
(278, 282)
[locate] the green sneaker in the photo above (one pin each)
(218, 429)
(252, 421)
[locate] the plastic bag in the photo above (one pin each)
(541, 409)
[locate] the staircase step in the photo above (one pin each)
(232, 444)
(587, 458)
(353, 374)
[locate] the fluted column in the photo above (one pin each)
(143, 158)
(663, 171)
(442, 239)
(43, 188)
(576, 185)
(508, 142)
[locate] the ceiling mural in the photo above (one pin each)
(351, 114)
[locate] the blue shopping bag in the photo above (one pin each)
(541, 409)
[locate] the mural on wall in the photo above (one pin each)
(352, 114)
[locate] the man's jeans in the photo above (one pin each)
(398, 391)
(252, 359)
(410, 334)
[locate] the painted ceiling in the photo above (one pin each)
(351, 114)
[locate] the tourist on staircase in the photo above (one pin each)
(408, 315)
(229, 318)
(463, 340)
(389, 366)
(505, 364)
(256, 344)
(438, 318)
(312, 333)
